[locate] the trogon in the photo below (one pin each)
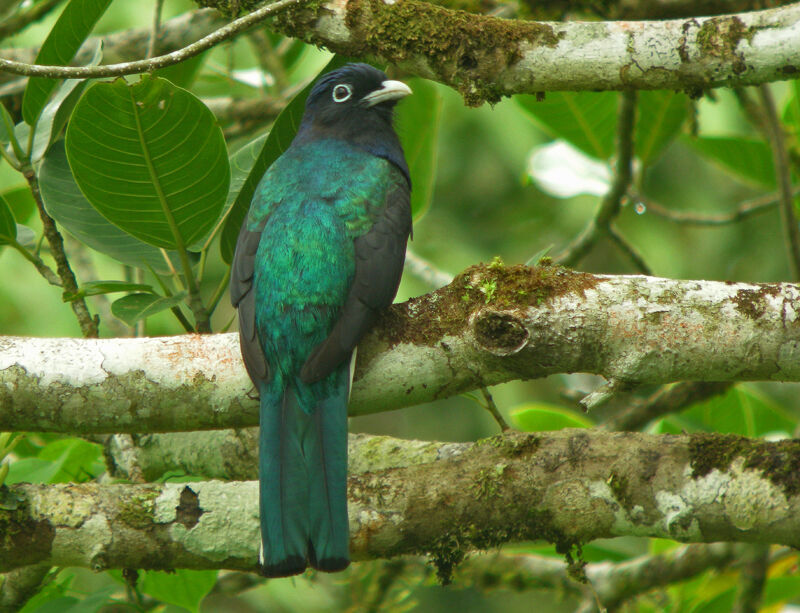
(319, 255)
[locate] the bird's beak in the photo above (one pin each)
(390, 90)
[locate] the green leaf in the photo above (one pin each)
(79, 460)
(750, 160)
(73, 26)
(57, 112)
(659, 119)
(21, 202)
(151, 158)
(60, 461)
(134, 307)
(418, 121)
(51, 591)
(539, 417)
(587, 120)
(721, 603)
(242, 162)
(94, 288)
(742, 410)
(791, 112)
(33, 470)
(278, 141)
(8, 135)
(780, 590)
(183, 588)
(26, 236)
(8, 227)
(69, 207)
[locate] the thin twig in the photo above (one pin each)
(745, 210)
(87, 323)
(125, 68)
(784, 180)
(492, 408)
(151, 45)
(220, 291)
(44, 269)
(612, 201)
(629, 250)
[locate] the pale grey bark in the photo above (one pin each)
(565, 487)
(491, 325)
(486, 57)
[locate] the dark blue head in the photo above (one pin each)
(355, 103)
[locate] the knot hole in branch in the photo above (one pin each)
(499, 333)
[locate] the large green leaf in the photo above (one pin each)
(750, 160)
(151, 158)
(61, 45)
(660, 115)
(69, 207)
(587, 120)
(134, 307)
(8, 227)
(418, 120)
(278, 141)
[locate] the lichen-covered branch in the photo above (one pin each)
(492, 324)
(486, 57)
(566, 487)
(489, 57)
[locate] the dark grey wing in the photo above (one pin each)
(380, 254)
(244, 299)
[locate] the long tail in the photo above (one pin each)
(303, 481)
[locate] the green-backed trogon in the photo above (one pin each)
(319, 255)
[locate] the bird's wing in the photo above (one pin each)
(244, 299)
(380, 254)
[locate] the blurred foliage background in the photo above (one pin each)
(489, 182)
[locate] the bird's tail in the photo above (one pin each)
(303, 479)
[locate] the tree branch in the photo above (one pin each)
(147, 65)
(491, 325)
(486, 58)
(125, 45)
(566, 487)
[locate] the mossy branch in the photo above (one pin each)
(567, 488)
(492, 324)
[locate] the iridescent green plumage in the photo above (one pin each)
(320, 253)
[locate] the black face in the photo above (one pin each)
(340, 93)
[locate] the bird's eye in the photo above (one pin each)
(342, 92)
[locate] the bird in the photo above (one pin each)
(319, 255)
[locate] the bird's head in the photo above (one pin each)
(353, 96)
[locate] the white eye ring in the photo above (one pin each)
(342, 92)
